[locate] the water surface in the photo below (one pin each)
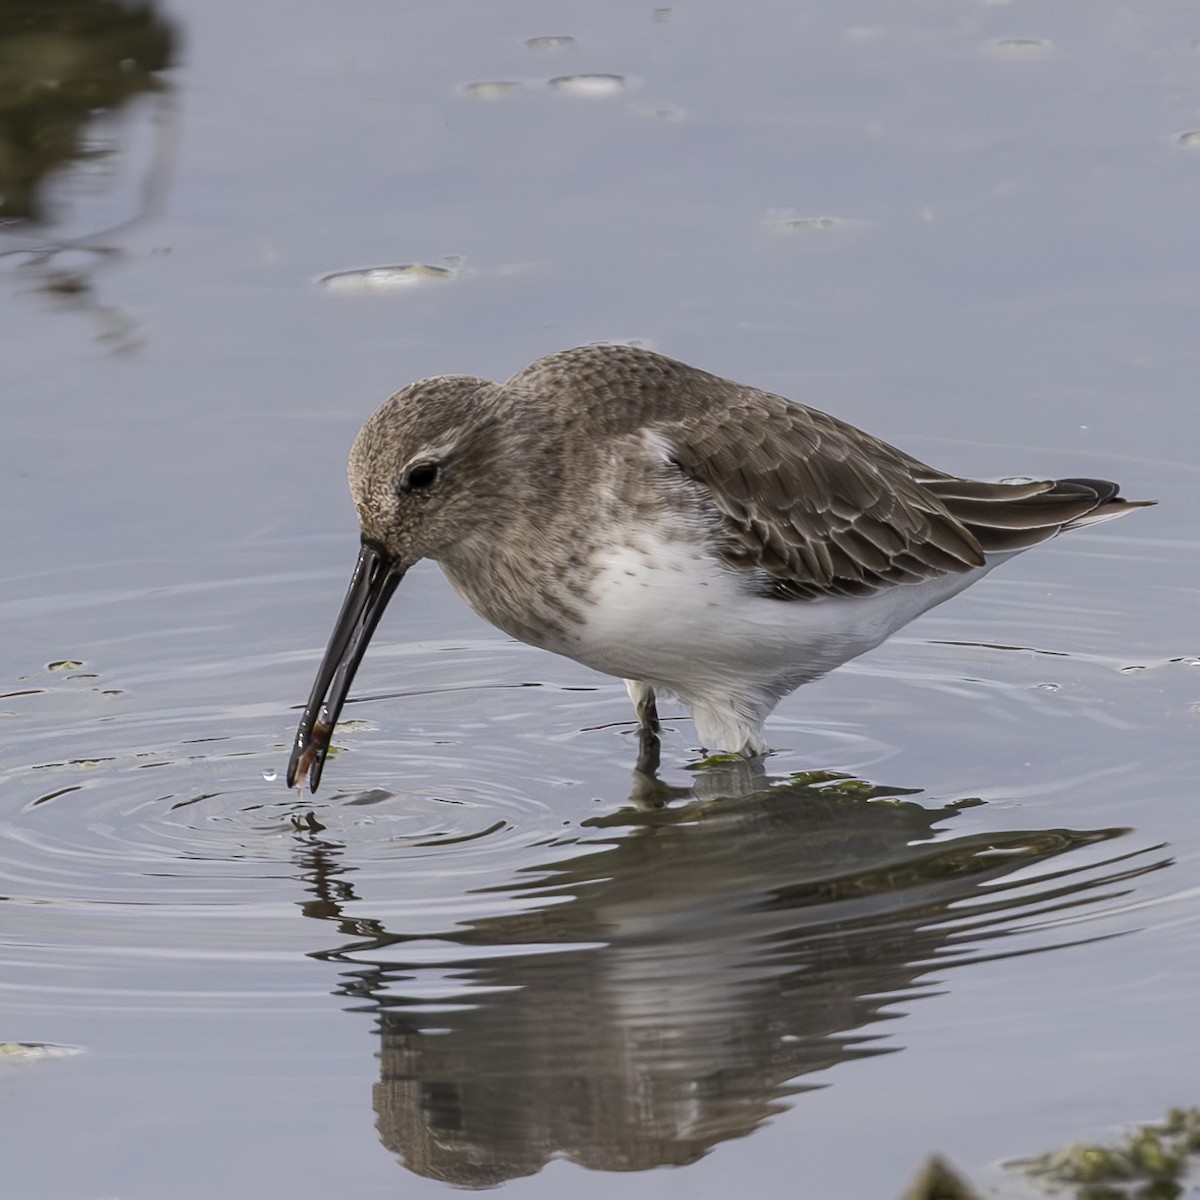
(956, 911)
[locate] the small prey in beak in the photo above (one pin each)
(371, 586)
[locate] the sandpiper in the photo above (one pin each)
(682, 532)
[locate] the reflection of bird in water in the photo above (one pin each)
(687, 534)
(663, 985)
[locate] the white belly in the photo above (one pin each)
(667, 614)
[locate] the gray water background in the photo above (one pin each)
(487, 965)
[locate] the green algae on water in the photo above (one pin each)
(1149, 1163)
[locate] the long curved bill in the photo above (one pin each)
(371, 586)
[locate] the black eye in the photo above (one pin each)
(419, 477)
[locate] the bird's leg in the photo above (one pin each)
(648, 790)
(649, 752)
(649, 726)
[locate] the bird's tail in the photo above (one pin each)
(1017, 513)
(1110, 504)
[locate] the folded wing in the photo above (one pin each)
(809, 506)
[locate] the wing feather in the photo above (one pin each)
(815, 506)
(812, 507)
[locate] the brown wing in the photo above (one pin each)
(814, 507)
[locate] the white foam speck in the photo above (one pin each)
(376, 280)
(489, 89)
(589, 85)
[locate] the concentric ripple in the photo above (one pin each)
(146, 839)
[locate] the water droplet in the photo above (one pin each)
(370, 280)
(589, 85)
(1018, 47)
(492, 89)
(662, 14)
(549, 43)
(1190, 139)
(1048, 687)
(1083, 427)
(270, 775)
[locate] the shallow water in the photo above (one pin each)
(958, 909)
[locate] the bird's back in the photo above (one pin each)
(806, 505)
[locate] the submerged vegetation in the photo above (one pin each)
(1150, 1162)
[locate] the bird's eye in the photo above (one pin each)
(419, 477)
